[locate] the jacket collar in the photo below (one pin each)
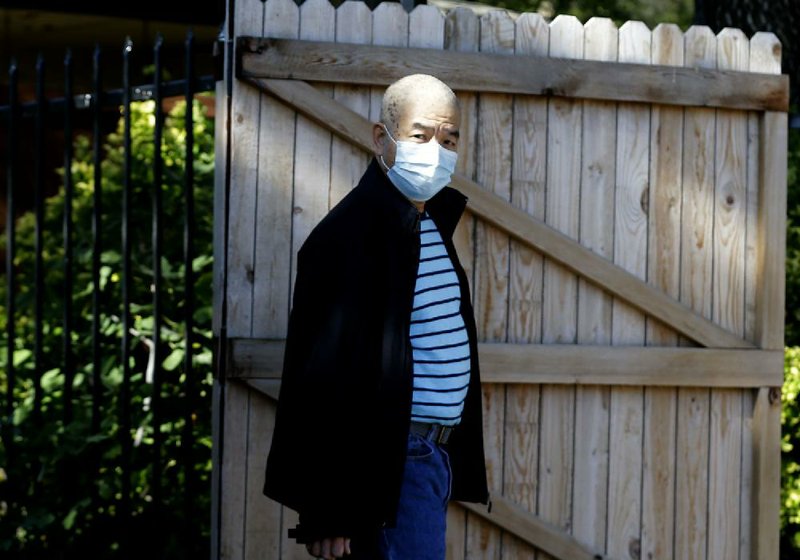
(446, 207)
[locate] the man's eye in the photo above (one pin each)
(419, 136)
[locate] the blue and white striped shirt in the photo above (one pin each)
(438, 335)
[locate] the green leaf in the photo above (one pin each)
(52, 379)
(21, 356)
(69, 520)
(174, 359)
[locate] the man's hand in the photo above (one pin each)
(329, 549)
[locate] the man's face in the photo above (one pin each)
(420, 120)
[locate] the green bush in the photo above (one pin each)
(790, 465)
(46, 492)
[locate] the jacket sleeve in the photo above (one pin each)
(309, 469)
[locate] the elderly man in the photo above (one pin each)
(379, 417)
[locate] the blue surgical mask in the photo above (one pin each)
(420, 170)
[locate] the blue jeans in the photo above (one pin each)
(421, 515)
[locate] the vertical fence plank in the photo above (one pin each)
(275, 133)
(528, 167)
(312, 155)
(389, 28)
(763, 50)
(493, 169)
(244, 181)
(245, 175)
(770, 300)
(462, 34)
(353, 25)
(236, 407)
(730, 204)
(594, 306)
(262, 524)
(272, 288)
(666, 160)
(630, 252)
(691, 502)
(559, 308)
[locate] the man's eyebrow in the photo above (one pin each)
(455, 132)
(422, 126)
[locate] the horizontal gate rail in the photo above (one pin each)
(569, 364)
(485, 72)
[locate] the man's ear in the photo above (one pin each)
(378, 138)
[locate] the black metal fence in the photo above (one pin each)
(67, 389)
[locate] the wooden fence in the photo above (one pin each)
(625, 245)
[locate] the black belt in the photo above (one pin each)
(436, 433)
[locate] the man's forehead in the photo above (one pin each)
(430, 112)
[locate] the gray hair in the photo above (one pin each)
(398, 94)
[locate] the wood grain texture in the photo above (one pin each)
(698, 184)
(312, 153)
(389, 27)
(329, 62)
(232, 418)
(766, 473)
(462, 34)
(660, 410)
(666, 161)
(271, 275)
(765, 52)
(261, 523)
(556, 448)
(590, 479)
(220, 251)
(353, 25)
(772, 210)
(541, 534)
(730, 221)
(626, 415)
(571, 364)
(233, 470)
(520, 225)
(528, 168)
(730, 198)
(691, 498)
(493, 169)
(691, 494)
(528, 175)
(245, 111)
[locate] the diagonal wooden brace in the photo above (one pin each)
(518, 224)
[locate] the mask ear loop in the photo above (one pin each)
(383, 162)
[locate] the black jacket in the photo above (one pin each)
(338, 449)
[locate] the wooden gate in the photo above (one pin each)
(625, 244)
